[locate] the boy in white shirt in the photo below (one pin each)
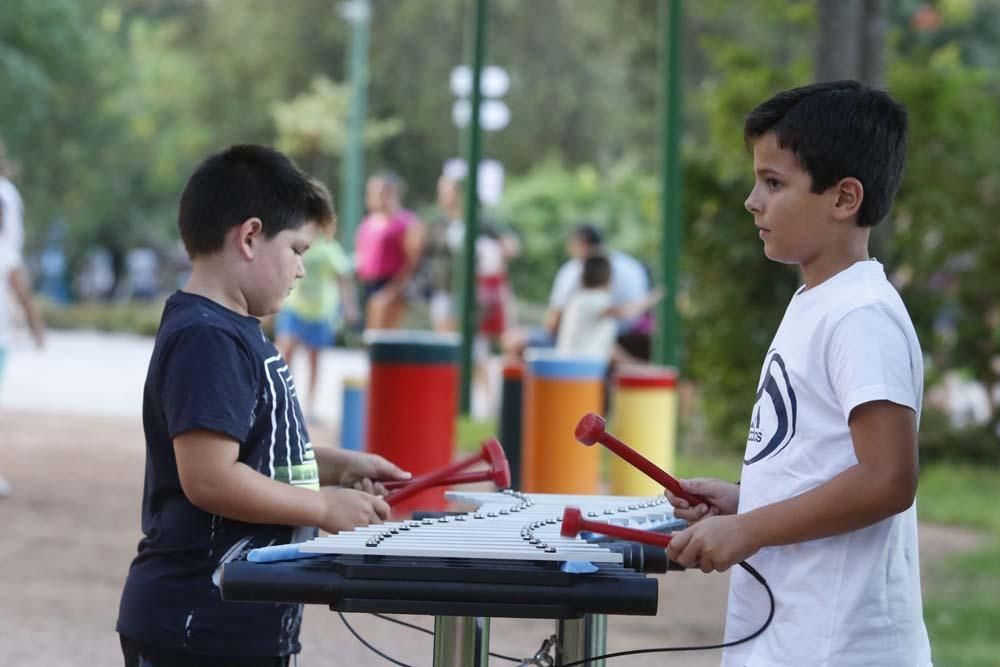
(825, 509)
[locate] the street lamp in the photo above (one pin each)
(358, 14)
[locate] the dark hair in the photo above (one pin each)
(596, 271)
(244, 182)
(836, 130)
(588, 234)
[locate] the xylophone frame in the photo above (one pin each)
(464, 594)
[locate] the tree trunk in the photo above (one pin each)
(851, 41)
(872, 35)
(851, 45)
(837, 54)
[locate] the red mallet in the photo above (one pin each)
(498, 473)
(573, 522)
(491, 452)
(592, 428)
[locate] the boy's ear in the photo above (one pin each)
(850, 194)
(248, 234)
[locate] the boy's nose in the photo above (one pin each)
(751, 204)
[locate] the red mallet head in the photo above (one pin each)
(590, 428)
(501, 476)
(571, 522)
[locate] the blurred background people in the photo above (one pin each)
(14, 285)
(388, 245)
(443, 249)
(309, 315)
(629, 285)
(589, 323)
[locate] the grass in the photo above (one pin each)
(470, 433)
(962, 593)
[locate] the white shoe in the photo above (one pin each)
(5, 488)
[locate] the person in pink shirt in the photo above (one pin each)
(388, 246)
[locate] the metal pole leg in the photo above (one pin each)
(582, 638)
(461, 641)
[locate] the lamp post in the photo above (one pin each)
(667, 349)
(471, 86)
(358, 14)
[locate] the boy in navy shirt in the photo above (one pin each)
(229, 463)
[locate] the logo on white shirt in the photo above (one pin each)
(775, 412)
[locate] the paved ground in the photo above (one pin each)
(71, 444)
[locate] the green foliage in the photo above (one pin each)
(734, 295)
(946, 261)
(941, 441)
(137, 317)
(315, 123)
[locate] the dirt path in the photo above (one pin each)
(70, 530)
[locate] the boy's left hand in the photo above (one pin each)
(713, 544)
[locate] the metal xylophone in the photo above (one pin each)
(515, 555)
(506, 558)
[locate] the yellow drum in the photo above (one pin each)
(645, 419)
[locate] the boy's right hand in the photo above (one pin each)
(345, 509)
(723, 498)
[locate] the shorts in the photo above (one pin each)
(315, 334)
(492, 293)
(370, 287)
(3, 358)
(139, 654)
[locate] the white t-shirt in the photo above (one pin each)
(583, 330)
(489, 257)
(12, 210)
(852, 599)
(11, 247)
(629, 283)
(9, 260)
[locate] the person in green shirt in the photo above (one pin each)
(310, 313)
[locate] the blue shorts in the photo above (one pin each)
(316, 334)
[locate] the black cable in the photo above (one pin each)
(669, 649)
(753, 573)
(369, 646)
(431, 632)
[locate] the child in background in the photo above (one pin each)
(589, 324)
(310, 312)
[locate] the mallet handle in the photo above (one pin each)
(592, 428)
(431, 479)
(573, 523)
(458, 478)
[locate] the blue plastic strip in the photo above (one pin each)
(567, 368)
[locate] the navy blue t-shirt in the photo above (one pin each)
(212, 369)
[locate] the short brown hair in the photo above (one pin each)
(243, 182)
